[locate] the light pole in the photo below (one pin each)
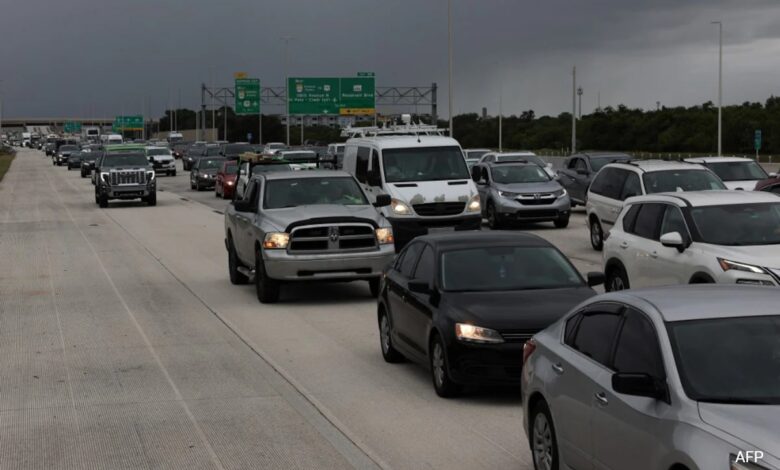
(1, 113)
(579, 94)
(449, 55)
(500, 118)
(287, 40)
(720, 86)
(574, 110)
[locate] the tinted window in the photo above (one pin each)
(738, 171)
(630, 218)
(580, 164)
(594, 335)
(646, 224)
(637, 347)
(571, 328)
(673, 222)
(361, 164)
(681, 180)
(426, 267)
(125, 160)
(519, 174)
(738, 224)
(609, 182)
(411, 254)
(631, 187)
(599, 182)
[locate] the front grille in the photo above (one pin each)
(517, 336)
(439, 208)
(538, 199)
(128, 177)
(330, 238)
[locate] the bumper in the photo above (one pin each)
(510, 209)
(228, 189)
(485, 364)
(127, 192)
(164, 168)
(342, 266)
(206, 183)
(406, 229)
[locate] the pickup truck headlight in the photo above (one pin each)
(477, 334)
(727, 265)
(104, 177)
(276, 240)
(384, 235)
(400, 207)
(150, 175)
(474, 204)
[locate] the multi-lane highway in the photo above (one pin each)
(123, 344)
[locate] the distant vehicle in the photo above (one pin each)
(520, 192)
(74, 160)
(250, 165)
(63, 153)
(91, 133)
(180, 148)
(125, 174)
(664, 378)
(735, 172)
(617, 182)
(162, 160)
(333, 158)
(306, 226)
(88, 162)
(523, 156)
(111, 139)
(195, 153)
(227, 175)
(204, 173)
(475, 154)
(272, 147)
(579, 169)
(26, 139)
(300, 159)
(232, 151)
(425, 175)
(174, 137)
(695, 238)
(463, 304)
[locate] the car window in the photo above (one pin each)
(361, 164)
(613, 185)
(673, 221)
(251, 191)
(647, 221)
(630, 218)
(595, 334)
(580, 164)
(604, 183)
(426, 266)
(571, 328)
(411, 254)
(631, 187)
(636, 350)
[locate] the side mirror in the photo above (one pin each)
(773, 175)
(582, 171)
(419, 287)
(374, 179)
(383, 200)
(673, 240)
(243, 206)
(640, 385)
(596, 278)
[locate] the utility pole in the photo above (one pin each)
(213, 109)
(598, 101)
(720, 86)
(574, 110)
(449, 54)
(1, 112)
(287, 40)
(500, 118)
(579, 94)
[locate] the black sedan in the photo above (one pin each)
(464, 304)
(203, 174)
(74, 160)
(88, 162)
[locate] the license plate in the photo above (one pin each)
(441, 229)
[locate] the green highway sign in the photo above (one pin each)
(328, 95)
(72, 127)
(247, 96)
(128, 123)
(365, 74)
(757, 140)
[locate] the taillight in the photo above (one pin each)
(528, 348)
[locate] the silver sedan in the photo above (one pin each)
(675, 378)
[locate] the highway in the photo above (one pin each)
(124, 345)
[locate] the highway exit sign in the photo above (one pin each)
(350, 96)
(247, 93)
(757, 140)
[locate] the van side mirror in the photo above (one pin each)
(383, 200)
(640, 385)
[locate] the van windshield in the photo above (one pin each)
(424, 164)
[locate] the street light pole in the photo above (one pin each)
(286, 40)
(574, 110)
(579, 94)
(720, 86)
(449, 53)
(500, 118)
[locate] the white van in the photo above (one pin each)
(113, 139)
(425, 175)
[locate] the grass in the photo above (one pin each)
(5, 163)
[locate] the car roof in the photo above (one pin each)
(602, 155)
(718, 159)
(703, 301)
(511, 163)
(649, 166)
(405, 141)
(519, 153)
(477, 238)
(285, 175)
(708, 198)
(125, 148)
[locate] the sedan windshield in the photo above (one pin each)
(504, 268)
(729, 360)
(312, 191)
(209, 163)
(424, 164)
(669, 181)
(125, 160)
(519, 174)
(739, 224)
(738, 171)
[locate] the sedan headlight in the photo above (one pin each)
(384, 236)
(477, 334)
(727, 265)
(474, 205)
(747, 460)
(276, 240)
(508, 194)
(400, 207)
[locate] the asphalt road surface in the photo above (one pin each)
(124, 345)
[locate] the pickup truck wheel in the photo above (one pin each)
(373, 286)
(267, 288)
(236, 278)
(103, 201)
(151, 199)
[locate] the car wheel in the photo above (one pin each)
(596, 235)
(373, 286)
(267, 288)
(442, 382)
(236, 277)
(192, 185)
(492, 216)
(173, 173)
(617, 279)
(544, 445)
(151, 199)
(562, 221)
(103, 201)
(389, 353)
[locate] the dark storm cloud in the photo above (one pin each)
(82, 57)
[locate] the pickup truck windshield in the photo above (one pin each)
(313, 191)
(424, 164)
(125, 160)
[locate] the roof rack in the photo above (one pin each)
(408, 127)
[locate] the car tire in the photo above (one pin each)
(103, 201)
(151, 199)
(267, 288)
(617, 279)
(389, 353)
(542, 439)
(173, 173)
(192, 185)
(562, 221)
(596, 234)
(442, 383)
(494, 220)
(236, 277)
(373, 286)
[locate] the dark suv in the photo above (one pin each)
(579, 169)
(124, 175)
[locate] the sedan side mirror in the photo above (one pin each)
(383, 200)
(673, 240)
(419, 287)
(640, 385)
(596, 279)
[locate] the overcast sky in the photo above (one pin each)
(89, 57)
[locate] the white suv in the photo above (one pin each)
(697, 237)
(735, 172)
(617, 182)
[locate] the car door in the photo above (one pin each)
(577, 177)
(244, 235)
(483, 184)
(625, 428)
(419, 305)
(640, 246)
(673, 266)
(611, 203)
(398, 296)
(576, 374)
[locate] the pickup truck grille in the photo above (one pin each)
(439, 208)
(128, 177)
(332, 238)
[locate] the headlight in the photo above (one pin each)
(229, 183)
(560, 193)
(276, 240)
(474, 205)
(150, 174)
(400, 207)
(104, 177)
(746, 460)
(384, 235)
(477, 334)
(727, 265)
(508, 194)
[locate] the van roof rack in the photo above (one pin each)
(408, 127)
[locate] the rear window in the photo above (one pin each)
(681, 180)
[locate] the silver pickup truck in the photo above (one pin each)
(306, 226)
